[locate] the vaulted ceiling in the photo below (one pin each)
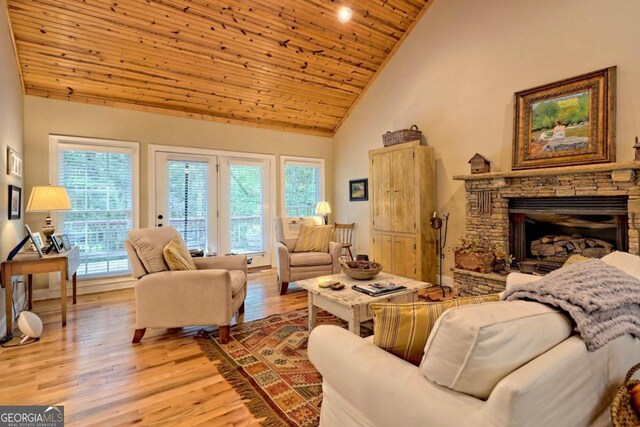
(285, 64)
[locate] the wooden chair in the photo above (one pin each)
(344, 235)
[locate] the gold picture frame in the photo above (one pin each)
(566, 123)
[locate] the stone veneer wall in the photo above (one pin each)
(492, 219)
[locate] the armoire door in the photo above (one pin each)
(383, 250)
(403, 206)
(404, 256)
(381, 186)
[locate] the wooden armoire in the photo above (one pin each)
(402, 200)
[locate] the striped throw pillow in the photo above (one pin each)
(314, 238)
(403, 329)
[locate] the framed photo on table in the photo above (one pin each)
(35, 239)
(65, 242)
(565, 123)
(56, 243)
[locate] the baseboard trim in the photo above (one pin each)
(44, 294)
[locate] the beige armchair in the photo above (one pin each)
(210, 295)
(294, 266)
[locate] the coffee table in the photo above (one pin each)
(351, 305)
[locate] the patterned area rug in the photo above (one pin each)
(266, 362)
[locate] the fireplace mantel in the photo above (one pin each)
(568, 170)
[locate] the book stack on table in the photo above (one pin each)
(377, 289)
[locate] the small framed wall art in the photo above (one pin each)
(15, 202)
(358, 190)
(14, 163)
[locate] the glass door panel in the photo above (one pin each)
(186, 198)
(244, 220)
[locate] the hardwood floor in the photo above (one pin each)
(91, 367)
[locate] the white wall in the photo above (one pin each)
(455, 76)
(11, 119)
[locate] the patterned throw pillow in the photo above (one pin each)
(314, 238)
(403, 329)
(177, 256)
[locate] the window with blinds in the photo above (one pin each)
(303, 187)
(246, 208)
(187, 195)
(99, 181)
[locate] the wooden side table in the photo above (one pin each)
(66, 263)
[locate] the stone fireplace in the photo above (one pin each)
(550, 214)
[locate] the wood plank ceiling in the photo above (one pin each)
(285, 64)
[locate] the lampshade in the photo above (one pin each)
(46, 198)
(323, 208)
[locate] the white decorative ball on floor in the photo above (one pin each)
(30, 324)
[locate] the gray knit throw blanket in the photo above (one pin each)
(603, 300)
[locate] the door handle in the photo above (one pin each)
(160, 216)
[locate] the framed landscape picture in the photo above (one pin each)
(566, 123)
(358, 190)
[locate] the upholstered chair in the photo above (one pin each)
(210, 295)
(294, 266)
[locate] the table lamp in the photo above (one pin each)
(324, 209)
(47, 198)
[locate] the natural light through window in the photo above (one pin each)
(303, 185)
(246, 183)
(100, 183)
(188, 202)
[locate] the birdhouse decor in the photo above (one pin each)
(636, 146)
(479, 164)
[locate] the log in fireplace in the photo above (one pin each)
(551, 229)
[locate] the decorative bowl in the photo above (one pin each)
(361, 270)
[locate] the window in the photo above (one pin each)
(101, 178)
(303, 185)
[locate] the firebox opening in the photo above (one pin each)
(551, 230)
(555, 238)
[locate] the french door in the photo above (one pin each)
(221, 204)
(245, 208)
(187, 198)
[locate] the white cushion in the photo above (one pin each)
(472, 347)
(626, 262)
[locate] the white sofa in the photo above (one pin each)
(566, 385)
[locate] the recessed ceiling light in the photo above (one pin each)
(344, 14)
